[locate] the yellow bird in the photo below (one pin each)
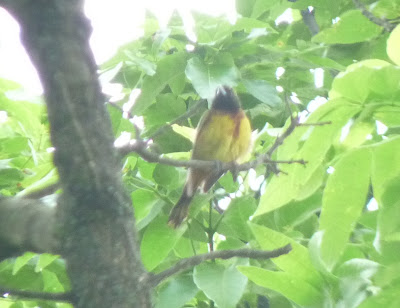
(223, 134)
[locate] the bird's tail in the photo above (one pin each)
(180, 210)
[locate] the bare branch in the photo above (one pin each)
(58, 297)
(221, 254)
(384, 23)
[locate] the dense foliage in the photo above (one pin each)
(345, 253)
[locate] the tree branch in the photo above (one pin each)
(309, 21)
(140, 149)
(221, 254)
(58, 297)
(27, 225)
(139, 146)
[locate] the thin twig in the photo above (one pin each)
(58, 297)
(384, 23)
(221, 254)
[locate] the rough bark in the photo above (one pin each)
(26, 225)
(94, 214)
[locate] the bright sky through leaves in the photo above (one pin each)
(114, 23)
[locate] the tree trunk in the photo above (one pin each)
(94, 214)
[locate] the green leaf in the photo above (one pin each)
(170, 71)
(13, 145)
(22, 261)
(10, 176)
(234, 222)
(145, 65)
(344, 198)
(388, 216)
(207, 77)
(296, 263)
(176, 292)
(353, 27)
(119, 123)
(261, 6)
(210, 30)
(45, 259)
(223, 285)
(263, 91)
(44, 175)
(25, 118)
(8, 85)
(143, 201)
(290, 286)
(296, 212)
(244, 7)
(184, 131)
(393, 45)
(51, 282)
(323, 62)
(362, 79)
(318, 140)
(356, 279)
(158, 240)
(388, 243)
(385, 166)
(358, 133)
(167, 108)
(387, 297)
(166, 176)
(249, 25)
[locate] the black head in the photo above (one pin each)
(225, 99)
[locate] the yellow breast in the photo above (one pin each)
(222, 136)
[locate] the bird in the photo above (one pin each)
(223, 134)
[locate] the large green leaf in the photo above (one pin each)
(388, 242)
(176, 292)
(387, 297)
(211, 30)
(143, 202)
(352, 27)
(234, 222)
(207, 77)
(356, 278)
(264, 92)
(318, 140)
(393, 45)
(167, 108)
(386, 165)
(344, 198)
(296, 263)
(223, 284)
(10, 177)
(289, 285)
(158, 240)
(365, 80)
(170, 71)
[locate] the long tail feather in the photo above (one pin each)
(180, 210)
